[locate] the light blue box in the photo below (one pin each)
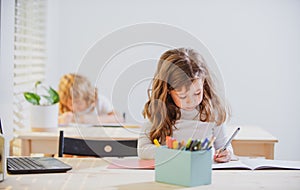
(182, 167)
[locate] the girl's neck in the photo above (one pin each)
(189, 114)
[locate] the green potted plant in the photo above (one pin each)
(44, 107)
(34, 98)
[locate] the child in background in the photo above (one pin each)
(81, 103)
(183, 90)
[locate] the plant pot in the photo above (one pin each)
(44, 118)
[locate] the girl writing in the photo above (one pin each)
(80, 102)
(183, 103)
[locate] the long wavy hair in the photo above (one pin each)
(75, 86)
(177, 68)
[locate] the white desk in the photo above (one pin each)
(91, 173)
(250, 141)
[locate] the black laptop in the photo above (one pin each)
(30, 165)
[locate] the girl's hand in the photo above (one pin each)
(222, 156)
(66, 118)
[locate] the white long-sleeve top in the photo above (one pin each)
(187, 127)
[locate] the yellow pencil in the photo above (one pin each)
(155, 141)
(175, 144)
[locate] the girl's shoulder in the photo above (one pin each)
(146, 126)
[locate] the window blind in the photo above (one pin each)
(29, 54)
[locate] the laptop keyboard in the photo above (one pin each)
(23, 163)
(34, 165)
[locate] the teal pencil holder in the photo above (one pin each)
(182, 167)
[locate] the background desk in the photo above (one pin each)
(250, 141)
(47, 142)
(253, 141)
(91, 173)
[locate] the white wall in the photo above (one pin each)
(53, 67)
(255, 43)
(6, 69)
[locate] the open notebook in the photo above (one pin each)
(28, 165)
(246, 164)
(258, 164)
(114, 125)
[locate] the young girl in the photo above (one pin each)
(183, 104)
(80, 102)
